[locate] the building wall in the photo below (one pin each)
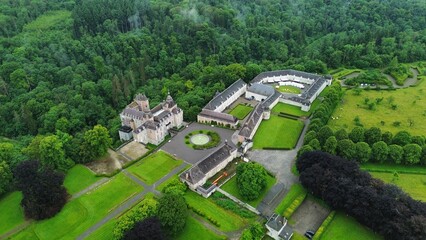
(312, 99)
(207, 120)
(297, 104)
(255, 96)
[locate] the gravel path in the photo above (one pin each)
(90, 188)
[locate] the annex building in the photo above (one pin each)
(146, 125)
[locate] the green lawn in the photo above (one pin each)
(295, 191)
(345, 227)
(154, 167)
(413, 184)
(11, 214)
(391, 168)
(228, 220)
(241, 111)
(232, 188)
(163, 184)
(78, 178)
(105, 232)
(410, 106)
(289, 89)
(83, 212)
(195, 230)
(277, 132)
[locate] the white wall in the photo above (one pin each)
(256, 96)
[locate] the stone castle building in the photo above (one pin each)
(147, 125)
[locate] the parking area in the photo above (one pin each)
(309, 216)
(179, 149)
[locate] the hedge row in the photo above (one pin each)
(204, 215)
(324, 226)
(226, 203)
(294, 205)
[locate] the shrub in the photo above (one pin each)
(294, 205)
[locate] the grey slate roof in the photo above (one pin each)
(218, 116)
(254, 117)
(276, 222)
(225, 94)
(286, 233)
(141, 97)
(151, 125)
(261, 89)
(198, 171)
(133, 113)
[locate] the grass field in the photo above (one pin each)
(228, 220)
(413, 184)
(296, 111)
(410, 106)
(154, 167)
(78, 178)
(289, 89)
(11, 214)
(295, 191)
(81, 213)
(49, 20)
(277, 132)
(232, 188)
(195, 230)
(390, 168)
(344, 227)
(241, 111)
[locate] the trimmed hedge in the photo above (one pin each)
(294, 205)
(204, 215)
(226, 203)
(324, 226)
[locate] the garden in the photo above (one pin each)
(154, 167)
(241, 111)
(202, 139)
(277, 133)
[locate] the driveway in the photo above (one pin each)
(309, 216)
(178, 147)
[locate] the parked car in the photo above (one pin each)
(309, 234)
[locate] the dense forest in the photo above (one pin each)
(66, 66)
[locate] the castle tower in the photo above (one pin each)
(169, 102)
(142, 102)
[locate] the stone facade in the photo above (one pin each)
(149, 125)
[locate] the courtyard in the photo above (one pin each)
(179, 149)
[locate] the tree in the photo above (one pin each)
(419, 140)
(357, 134)
(423, 158)
(175, 187)
(330, 145)
(309, 136)
(412, 153)
(303, 149)
(147, 208)
(373, 135)
(52, 154)
(254, 232)
(324, 133)
(379, 152)
(6, 177)
(96, 143)
(395, 153)
(251, 180)
(402, 138)
(362, 152)
(346, 148)
(315, 144)
(42, 188)
(387, 137)
(172, 212)
(341, 134)
(147, 229)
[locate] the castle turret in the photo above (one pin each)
(169, 102)
(142, 102)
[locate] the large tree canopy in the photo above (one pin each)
(251, 180)
(172, 212)
(43, 190)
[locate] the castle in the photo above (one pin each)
(147, 125)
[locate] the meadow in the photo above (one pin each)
(277, 132)
(413, 184)
(12, 214)
(397, 110)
